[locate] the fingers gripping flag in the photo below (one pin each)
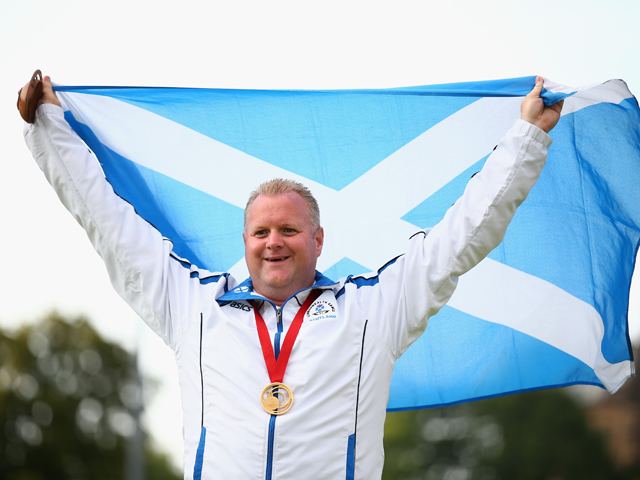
(548, 307)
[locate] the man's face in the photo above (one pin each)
(281, 245)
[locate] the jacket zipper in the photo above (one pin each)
(272, 420)
(276, 352)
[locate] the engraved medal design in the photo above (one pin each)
(276, 398)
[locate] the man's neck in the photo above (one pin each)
(280, 301)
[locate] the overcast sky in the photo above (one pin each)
(48, 262)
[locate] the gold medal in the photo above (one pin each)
(276, 398)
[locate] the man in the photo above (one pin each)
(286, 375)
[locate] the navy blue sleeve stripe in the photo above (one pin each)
(209, 279)
(362, 281)
(181, 261)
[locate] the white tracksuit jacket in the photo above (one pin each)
(341, 364)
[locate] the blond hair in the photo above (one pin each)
(279, 186)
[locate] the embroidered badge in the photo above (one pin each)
(320, 310)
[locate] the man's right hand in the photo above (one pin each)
(48, 95)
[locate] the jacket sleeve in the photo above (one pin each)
(418, 284)
(140, 262)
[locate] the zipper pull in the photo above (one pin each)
(279, 315)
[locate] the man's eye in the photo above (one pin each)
(289, 231)
(260, 233)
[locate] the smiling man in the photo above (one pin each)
(282, 238)
(286, 375)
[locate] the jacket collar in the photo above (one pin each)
(244, 290)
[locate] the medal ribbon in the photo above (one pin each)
(277, 367)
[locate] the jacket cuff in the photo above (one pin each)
(524, 128)
(45, 109)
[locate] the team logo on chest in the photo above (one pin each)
(321, 310)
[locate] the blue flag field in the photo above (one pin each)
(547, 308)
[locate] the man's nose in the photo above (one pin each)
(274, 239)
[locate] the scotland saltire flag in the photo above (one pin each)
(549, 305)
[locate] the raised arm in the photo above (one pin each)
(140, 262)
(422, 281)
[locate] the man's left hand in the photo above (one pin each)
(534, 111)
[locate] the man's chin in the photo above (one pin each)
(279, 284)
(276, 282)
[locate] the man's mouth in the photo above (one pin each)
(277, 259)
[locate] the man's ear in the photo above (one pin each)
(319, 240)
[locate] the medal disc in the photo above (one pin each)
(276, 398)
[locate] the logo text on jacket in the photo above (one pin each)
(321, 310)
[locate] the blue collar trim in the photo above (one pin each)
(244, 290)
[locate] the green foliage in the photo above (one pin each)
(538, 435)
(67, 399)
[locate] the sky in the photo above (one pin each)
(48, 262)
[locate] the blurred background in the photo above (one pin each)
(87, 391)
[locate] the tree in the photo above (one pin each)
(538, 435)
(66, 402)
